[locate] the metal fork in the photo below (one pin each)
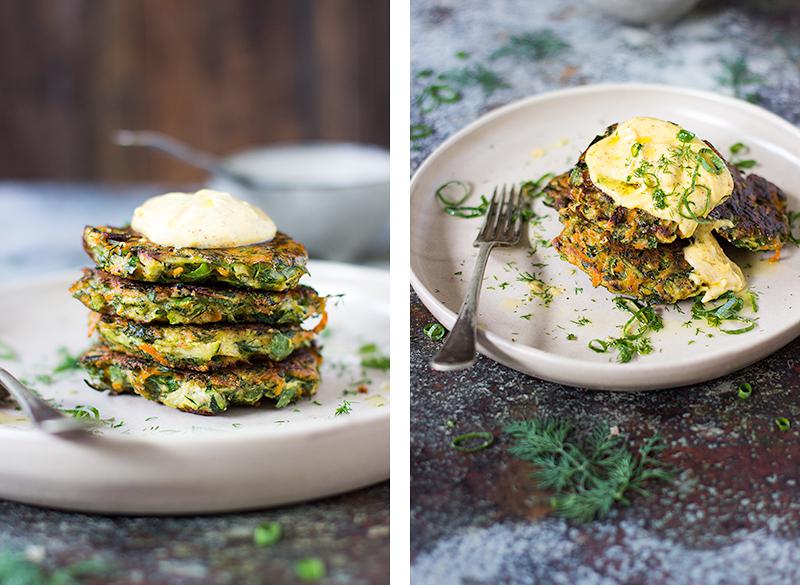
(40, 413)
(502, 227)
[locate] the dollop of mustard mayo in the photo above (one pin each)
(205, 219)
(661, 168)
(712, 270)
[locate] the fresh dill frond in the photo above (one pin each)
(343, 408)
(589, 472)
(737, 75)
(532, 46)
(475, 75)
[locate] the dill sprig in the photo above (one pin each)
(589, 472)
(532, 46)
(476, 74)
(737, 75)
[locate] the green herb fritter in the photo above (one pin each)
(658, 275)
(281, 383)
(275, 265)
(201, 347)
(757, 210)
(181, 304)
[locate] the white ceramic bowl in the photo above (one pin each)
(333, 197)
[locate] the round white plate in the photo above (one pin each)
(546, 133)
(148, 458)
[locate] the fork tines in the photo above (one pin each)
(503, 223)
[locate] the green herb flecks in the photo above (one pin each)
(736, 75)
(634, 339)
(473, 75)
(68, 362)
(538, 288)
(532, 46)
(310, 570)
(434, 331)
(267, 534)
(17, 569)
(474, 441)
(589, 472)
(344, 408)
(7, 352)
(90, 414)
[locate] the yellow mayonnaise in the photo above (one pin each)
(657, 166)
(205, 219)
(711, 268)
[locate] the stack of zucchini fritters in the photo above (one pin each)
(200, 329)
(630, 252)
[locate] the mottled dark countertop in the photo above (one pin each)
(733, 513)
(349, 533)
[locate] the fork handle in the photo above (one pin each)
(458, 351)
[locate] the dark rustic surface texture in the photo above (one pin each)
(220, 74)
(349, 533)
(732, 514)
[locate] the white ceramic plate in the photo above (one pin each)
(160, 460)
(546, 133)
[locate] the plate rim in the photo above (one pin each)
(767, 345)
(371, 417)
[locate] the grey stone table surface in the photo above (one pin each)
(732, 515)
(40, 227)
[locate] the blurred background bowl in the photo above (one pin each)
(644, 12)
(331, 196)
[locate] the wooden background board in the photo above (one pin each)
(219, 74)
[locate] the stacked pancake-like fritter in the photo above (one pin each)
(200, 329)
(631, 252)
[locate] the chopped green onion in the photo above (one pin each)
(636, 149)
(420, 131)
(651, 181)
(738, 147)
(474, 441)
(685, 135)
(710, 161)
(267, 534)
(745, 164)
(598, 345)
(310, 570)
(434, 331)
(783, 423)
(455, 207)
(745, 390)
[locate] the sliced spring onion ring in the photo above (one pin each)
(474, 441)
(783, 423)
(745, 390)
(434, 331)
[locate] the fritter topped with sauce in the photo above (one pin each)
(276, 265)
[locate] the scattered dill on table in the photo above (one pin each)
(531, 46)
(589, 472)
(737, 75)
